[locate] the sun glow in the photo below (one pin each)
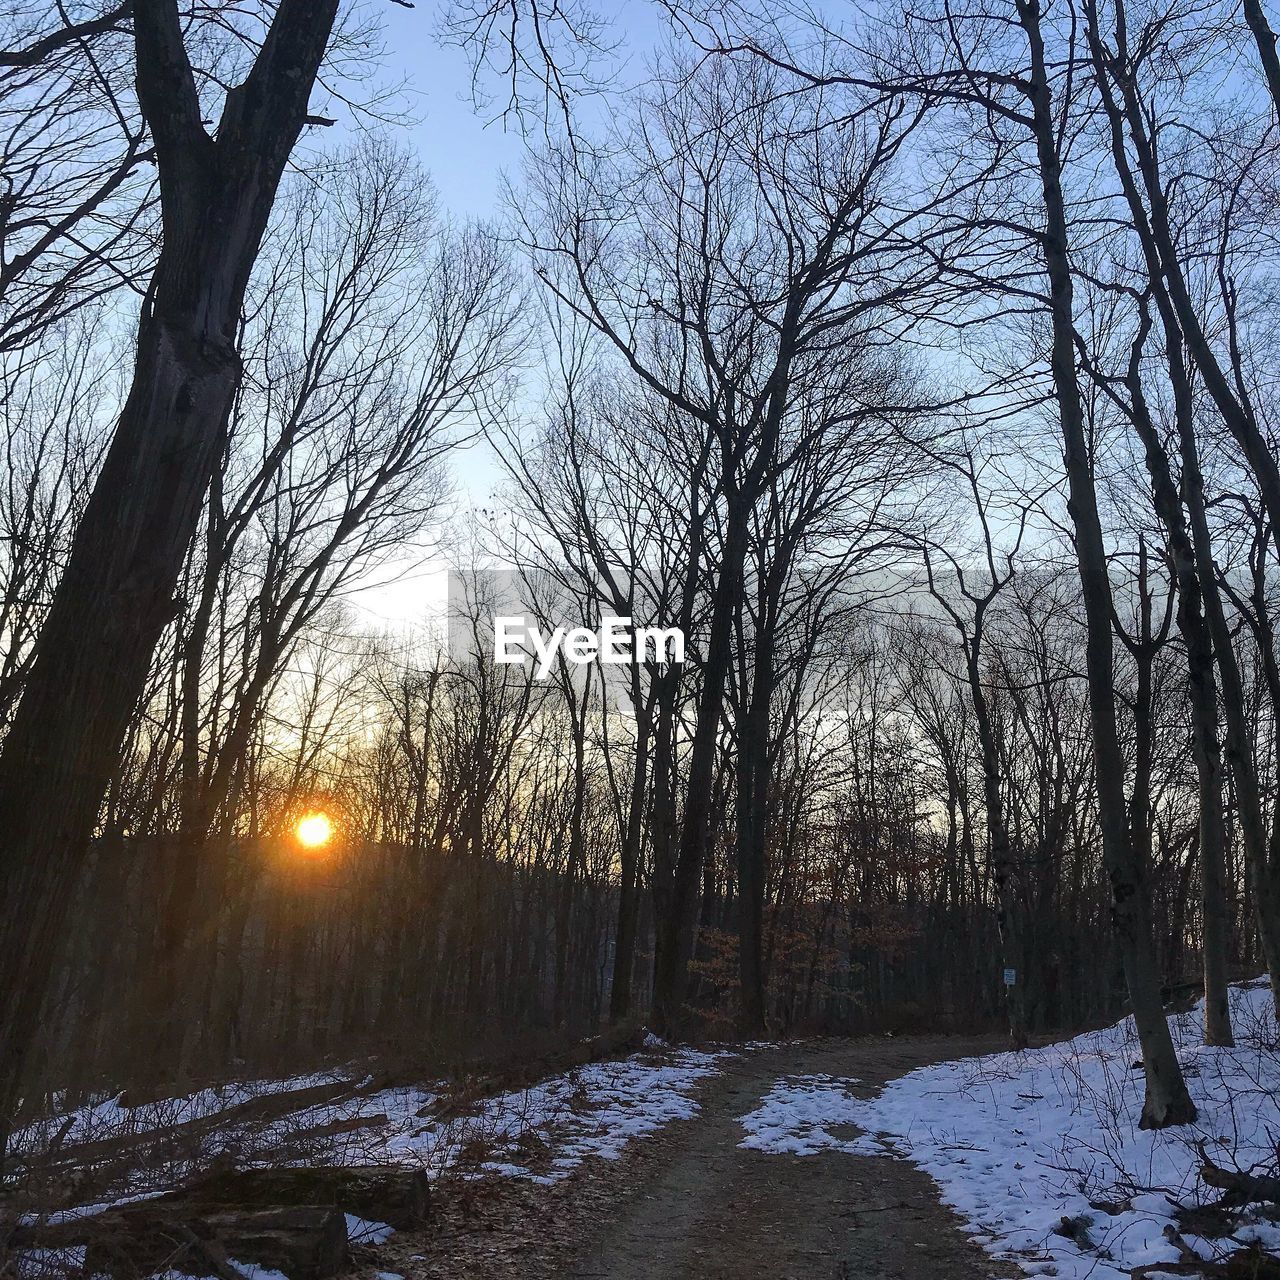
(314, 830)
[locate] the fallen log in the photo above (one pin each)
(1241, 1188)
(1250, 1263)
(398, 1196)
(304, 1242)
(118, 1253)
(338, 1128)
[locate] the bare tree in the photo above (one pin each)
(720, 172)
(116, 593)
(994, 573)
(76, 210)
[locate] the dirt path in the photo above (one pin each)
(688, 1203)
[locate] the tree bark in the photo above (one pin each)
(752, 819)
(677, 916)
(1265, 39)
(1156, 231)
(628, 888)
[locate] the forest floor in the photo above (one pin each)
(883, 1158)
(690, 1201)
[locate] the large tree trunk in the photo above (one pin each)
(1265, 39)
(1167, 1100)
(1155, 228)
(752, 821)
(1239, 744)
(116, 594)
(677, 912)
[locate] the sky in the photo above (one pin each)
(467, 153)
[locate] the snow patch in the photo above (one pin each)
(362, 1231)
(252, 1271)
(796, 1116)
(110, 1117)
(545, 1132)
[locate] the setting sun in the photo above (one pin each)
(314, 830)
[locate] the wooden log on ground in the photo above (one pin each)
(304, 1242)
(398, 1196)
(1240, 1188)
(124, 1250)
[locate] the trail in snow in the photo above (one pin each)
(1017, 1143)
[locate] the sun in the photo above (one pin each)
(314, 830)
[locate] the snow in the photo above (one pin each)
(110, 1117)
(543, 1132)
(82, 1210)
(548, 1130)
(1019, 1142)
(252, 1271)
(362, 1231)
(796, 1116)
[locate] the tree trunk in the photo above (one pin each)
(1204, 702)
(628, 896)
(1199, 603)
(677, 914)
(753, 813)
(1265, 39)
(1167, 1100)
(999, 852)
(1156, 232)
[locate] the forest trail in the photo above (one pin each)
(690, 1202)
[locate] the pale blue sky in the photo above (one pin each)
(467, 154)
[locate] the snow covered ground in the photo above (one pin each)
(541, 1132)
(1039, 1153)
(546, 1131)
(1019, 1142)
(110, 1118)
